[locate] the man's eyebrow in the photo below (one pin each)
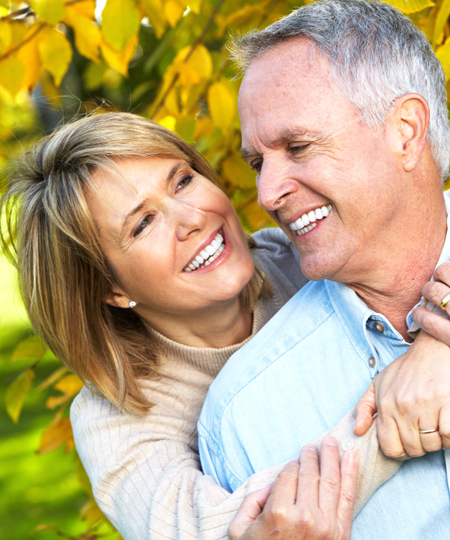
(284, 137)
(173, 171)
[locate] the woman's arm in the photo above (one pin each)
(147, 480)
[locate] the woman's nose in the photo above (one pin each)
(188, 220)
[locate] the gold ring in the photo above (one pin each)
(425, 431)
(445, 301)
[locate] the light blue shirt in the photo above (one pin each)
(295, 380)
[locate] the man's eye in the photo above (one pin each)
(298, 148)
(142, 225)
(185, 181)
(256, 165)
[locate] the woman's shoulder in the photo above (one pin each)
(280, 261)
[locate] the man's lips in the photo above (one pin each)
(306, 222)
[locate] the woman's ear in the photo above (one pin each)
(120, 300)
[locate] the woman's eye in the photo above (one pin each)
(142, 225)
(184, 181)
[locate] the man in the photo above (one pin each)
(343, 105)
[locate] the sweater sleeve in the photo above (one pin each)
(151, 486)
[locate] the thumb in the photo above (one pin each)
(364, 410)
(250, 509)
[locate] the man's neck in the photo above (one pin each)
(395, 287)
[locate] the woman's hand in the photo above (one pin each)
(411, 394)
(305, 502)
(435, 292)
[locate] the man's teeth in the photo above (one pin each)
(306, 222)
(207, 255)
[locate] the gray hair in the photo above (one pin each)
(376, 54)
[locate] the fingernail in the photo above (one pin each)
(310, 447)
(330, 441)
(351, 455)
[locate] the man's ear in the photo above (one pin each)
(412, 118)
(118, 299)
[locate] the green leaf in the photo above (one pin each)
(410, 6)
(120, 22)
(32, 347)
(185, 128)
(51, 11)
(441, 19)
(16, 393)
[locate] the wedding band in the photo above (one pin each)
(425, 431)
(445, 301)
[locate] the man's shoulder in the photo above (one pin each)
(298, 319)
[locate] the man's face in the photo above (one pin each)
(311, 151)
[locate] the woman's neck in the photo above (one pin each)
(221, 326)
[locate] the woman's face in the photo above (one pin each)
(172, 236)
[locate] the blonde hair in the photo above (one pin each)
(64, 277)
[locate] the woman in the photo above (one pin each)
(135, 270)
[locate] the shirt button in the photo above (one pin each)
(379, 327)
(347, 444)
(372, 361)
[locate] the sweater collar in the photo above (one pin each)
(211, 360)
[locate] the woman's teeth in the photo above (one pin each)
(207, 255)
(307, 222)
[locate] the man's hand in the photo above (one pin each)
(411, 394)
(305, 502)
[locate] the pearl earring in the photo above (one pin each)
(132, 304)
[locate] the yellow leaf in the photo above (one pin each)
(85, 8)
(443, 54)
(221, 105)
(55, 401)
(119, 60)
(94, 73)
(18, 32)
(70, 385)
(441, 19)
(204, 127)
(32, 347)
(12, 75)
(16, 393)
(155, 12)
(58, 432)
(55, 52)
(91, 512)
(5, 35)
(238, 172)
(52, 378)
(410, 6)
(87, 34)
(195, 5)
(51, 11)
(120, 22)
(185, 128)
(29, 56)
(255, 217)
(200, 62)
(173, 11)
(168, 122)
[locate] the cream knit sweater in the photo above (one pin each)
(145, 471)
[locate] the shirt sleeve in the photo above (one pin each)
(373, 471)
(152, 487)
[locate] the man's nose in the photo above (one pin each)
(275, 184)
(188, 219)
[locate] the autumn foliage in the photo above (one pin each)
(164, 59)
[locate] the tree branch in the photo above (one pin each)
(192, 49)
(24, 42)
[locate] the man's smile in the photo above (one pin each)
(306, 222)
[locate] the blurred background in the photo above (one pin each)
(163, 59)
